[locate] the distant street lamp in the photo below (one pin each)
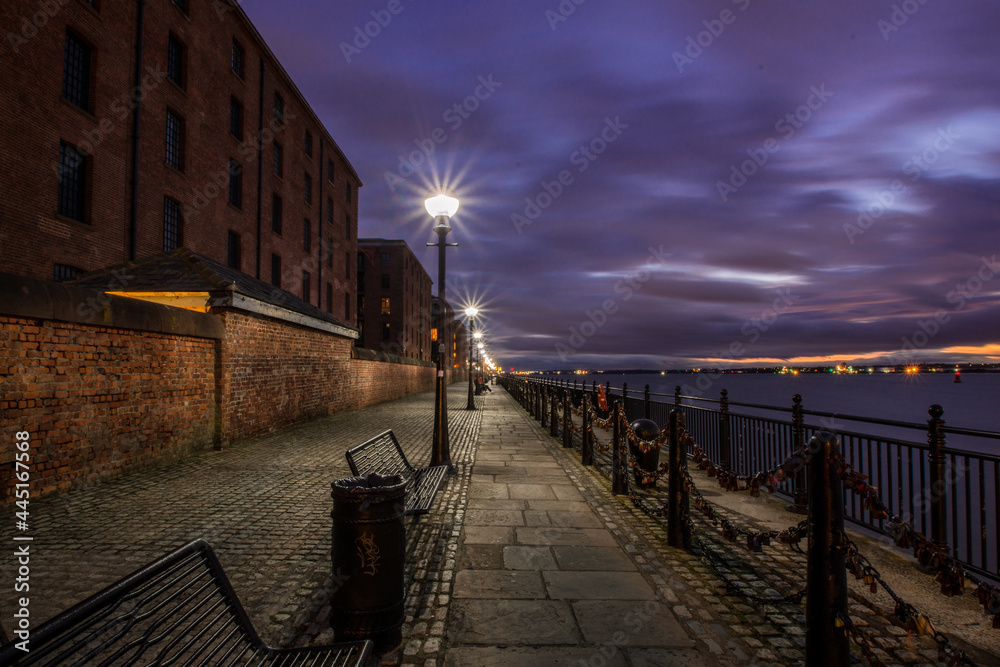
(441, 208)
(471, 313)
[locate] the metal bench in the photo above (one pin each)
(180, 610)
(382, 454)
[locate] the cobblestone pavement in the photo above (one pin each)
(264, 505)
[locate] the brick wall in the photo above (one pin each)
(107, 385)
(100, 401)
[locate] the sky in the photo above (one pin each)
(677, 184)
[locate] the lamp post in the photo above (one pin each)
(478, 336)
(441, 208)
(471, 312)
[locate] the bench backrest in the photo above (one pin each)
(180, 609)
(381, 454)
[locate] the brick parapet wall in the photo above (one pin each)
(101, 401)
(107, 385)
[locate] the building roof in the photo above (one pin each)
(184, 270)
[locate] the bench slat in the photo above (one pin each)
(180, 609)
(383, 455)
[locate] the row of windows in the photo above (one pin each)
(78, 74)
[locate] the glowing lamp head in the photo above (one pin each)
(441, 206)
(471, 311)
(477, 335)
(481, 346)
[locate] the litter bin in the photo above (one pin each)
(368, 549)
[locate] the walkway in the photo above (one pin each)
(544, 575)
(526, 557)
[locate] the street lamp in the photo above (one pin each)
(441, 208)
(482, 356)
(479, 337)
(471, 313)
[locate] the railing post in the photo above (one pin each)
(587, 448)
(725, 453)
(554, 412)
(678, 533)
(625, 399)
(938, 483)
(677, 396)
(567, 420)
(826, 573)
(799, 504)
(539, 398)
(618, 480)
(645, 402)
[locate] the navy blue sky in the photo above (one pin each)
(701, 170)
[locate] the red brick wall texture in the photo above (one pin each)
(100, 402)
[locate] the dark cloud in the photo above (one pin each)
(866, 151)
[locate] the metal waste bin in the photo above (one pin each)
(368, 549)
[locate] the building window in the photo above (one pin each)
(276, 213)
(306, 235)
(329, 170)
(175, 60)
(72, 183)
(385, 305)
(235, 184)
(237, 59)
(279, 159)
(347, 306)
(275, 270)
(233, 254)
(306, 285)
(64, 272)
(329, 210)
(329, 298)
(235, 118)
(174, 155)
(385, 259)
(76, 72)
(171, 224)
(279, 108)
(309, 143)
(385, 331)
(385, 281)
(308, 189)
(347, 226)
(347, 265)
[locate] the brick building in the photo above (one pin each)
(133, 128)
(394, 299)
